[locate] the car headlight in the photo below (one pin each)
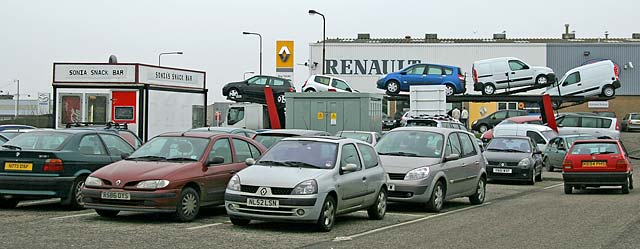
(417, 174)
(474, 122)
(234, 183)
(93, 182)
(524, 162)
(307, 187)
(152, 184)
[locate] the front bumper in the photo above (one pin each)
(409, 191)
(288, 210)
(147, 201)
(595, 178)
(517, 173)
(35, 186)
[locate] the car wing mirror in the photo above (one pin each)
(537, 152)
(451, 157)
(216, 160)
(403, 73)
(250, 161)
(124, 155)
(348, 89)
(349, 167)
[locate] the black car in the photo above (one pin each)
(252, 89)
(270, 137)
(55, 163)
(491, 120)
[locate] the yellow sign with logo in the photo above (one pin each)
(284, 54)
(320, 115)
(481, 109)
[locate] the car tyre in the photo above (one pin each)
(107, 213)
(239, 221)
(488, 89)
(379, 209)
(9, 203)
(436, 201)
(608, 91)
(541, 80)
(532, 181)
(75, 199)
(483, 128)
(480, 194)
(568, 189)
(309, 90)
(188, 205)
(233, 93)
(547, 165)
(450, 90)
(539, 177)
(328, 215)
(393, 87)
(630, 181)
(625, 187)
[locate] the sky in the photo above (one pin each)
(209, 32)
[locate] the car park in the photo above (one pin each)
(370, 137)
(595, 163)
(54, 164)
(231, 130)
(441, 121)
(270, 137)
(513, 158)
(600, 127)
(508, 72)
(488, 135)
(630, 122)
(557, 148)
(252, 89)
(593, 79)
(493, 119)
(326, 83)
(309, 179)
(539, 134)
(424, 74)
(430, 165)
(173, 173)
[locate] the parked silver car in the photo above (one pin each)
(557, 148)
(630, 122)
(309, 179)
(600, 127)
(514, 158)
(430, 165)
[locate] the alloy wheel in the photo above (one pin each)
(382, 203)
(439, 196)
(78, 194)
(233, 93)
(328, 214)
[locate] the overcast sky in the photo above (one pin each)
(37, 33)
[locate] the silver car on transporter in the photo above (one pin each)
(430, 165)
(309, 179)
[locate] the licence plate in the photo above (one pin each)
(391, 187)
(263, 203)
(18, 166)
(116, 196)
(594, 164)
(501, 171)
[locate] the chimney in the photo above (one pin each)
(567, 35)
(364, 36)
(635, 36)
(500, 36)
(431, 36)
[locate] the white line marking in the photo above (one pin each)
(204, 226)
(407, 223)
(71, 216)
(401, 214)
(554, 186)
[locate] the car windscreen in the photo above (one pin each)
(38, 141)
(269, 140)
(301, 153)
(520, 145)
(172, 148)
(11, 134)
(411, 143)
(422, 122)
(594, 148)
(366, 137)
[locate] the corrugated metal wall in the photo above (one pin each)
(563, 57)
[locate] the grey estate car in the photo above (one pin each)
(309, 179)
(430, 165)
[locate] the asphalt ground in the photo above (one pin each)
(515, 215)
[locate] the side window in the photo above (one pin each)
(606, 123)
(572, 79)
(445, 125)
(115, 145)
(516, 65)
(453, 145)
(553, 143)
(322, 80)
(500, 115)
(339, 84)
(277, 82)
(589, 122)
(242, 150)
(369, 156)
(448, 71)
(468, 149)
(626, 117)
(258, 80)
(221, 148)
(130, 138)
(434, 70)
(569, 121)
(91, 145)
(417, 69)
(536, 137)
(561, 143)
(255, 152)
(350, 155)
(515, 113)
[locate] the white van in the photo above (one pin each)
(540, 134)
(597, 78)
(508, 72)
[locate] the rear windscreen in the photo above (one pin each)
(594, 148)
(39, 141)
(269, 140)
(417, 122)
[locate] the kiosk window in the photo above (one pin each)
(97, 108)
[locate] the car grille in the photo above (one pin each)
(496, 163)
(394, 176)
(275, 191)
(249, 189)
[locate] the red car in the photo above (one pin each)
(488, 135)
(174, 173)
(595, 163)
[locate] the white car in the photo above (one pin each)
(508, 72)
(597, 78)
(539, 134)
(326, 83)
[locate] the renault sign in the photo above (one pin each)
(284, 59)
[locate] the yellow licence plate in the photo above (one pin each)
(18, 166)
(594, 164)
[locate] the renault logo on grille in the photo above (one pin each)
(263, 191)
(118, 183)
(502, 164)
(17, 154)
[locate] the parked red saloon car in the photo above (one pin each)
(594, 163)
(174, 173)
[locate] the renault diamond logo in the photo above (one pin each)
(17, 154)
(263, 191)
(118, 183)
(284, 54)
(502, 164)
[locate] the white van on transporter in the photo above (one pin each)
(599, 78)
(508, 72)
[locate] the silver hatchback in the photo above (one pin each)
(430, 165)
(309, 179)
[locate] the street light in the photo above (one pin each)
(249, 72)
(159, 55)
(260, 36)
(313, 12)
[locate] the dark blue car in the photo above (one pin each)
(424, 74)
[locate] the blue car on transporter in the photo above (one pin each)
(424, 74)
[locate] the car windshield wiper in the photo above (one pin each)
(181, 159)
(602, 153)
(495, 149)
(12, 147)
(300, 164)
(150, 158)
(514, 150)
(398, 153)
(270, 163)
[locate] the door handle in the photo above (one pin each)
(232, 172)
(476, 163)
(513, 72)
(364, 178)
(580, 84)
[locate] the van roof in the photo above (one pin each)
(496, 59)
(523, 127)
(590, 65)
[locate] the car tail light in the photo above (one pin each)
(291, 89)
(629, 121)
(331, 90)
(567, 164)
(617, 126)
(475, 76)
(461, 77)
(53, 165)
(621, 164)
(616, 70)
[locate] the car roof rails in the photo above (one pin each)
(439, 117)
(108, 125)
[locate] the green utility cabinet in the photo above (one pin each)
(334, 111)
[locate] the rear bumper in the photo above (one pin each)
(616, 84)
(595, 178)
(35, 186)
(155, 201)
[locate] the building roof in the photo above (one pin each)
(409, 40)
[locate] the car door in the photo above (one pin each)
(560, 152)
(255, 87)
(351, 185)
(434, 75)
(568, 125)
(414, 75)
(497, 117)
(471, 164)
(322, 83)
(116, 146)
(373, 172)
(453, 169)
(571, 85)
(520, 74)
(500, 74)
(538, 139)
(551, 150)
(340, 85)
(217, 175)
(93, 153)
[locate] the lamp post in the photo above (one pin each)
(245, 74)
(260, 36)
(160, 55)
(324, 25)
